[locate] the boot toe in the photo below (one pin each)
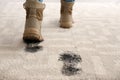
(66, 25)
(32, 38)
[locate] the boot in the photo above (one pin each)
(34, 16)
(66, 14)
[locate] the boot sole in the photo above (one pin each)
(66, 25)
(32, 38)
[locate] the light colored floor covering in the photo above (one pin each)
(95, 36)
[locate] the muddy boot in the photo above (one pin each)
(34, 15)
(66, 14)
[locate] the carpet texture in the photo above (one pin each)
(95, 36)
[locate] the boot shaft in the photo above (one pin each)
(66, 7)
(34, 8)
(34, 13)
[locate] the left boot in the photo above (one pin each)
(34, 16)
(66, 19)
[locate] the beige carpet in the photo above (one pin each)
(95, 36)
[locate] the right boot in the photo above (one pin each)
(66, 19)
(34, 16)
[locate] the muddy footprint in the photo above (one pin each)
(71, 63)
(33, 47)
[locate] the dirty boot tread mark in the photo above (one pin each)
(33, 47)
(70, 62)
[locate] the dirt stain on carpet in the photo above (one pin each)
(33, 47)
(70, 63)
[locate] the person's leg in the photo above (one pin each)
(40, 0)
(66, 13)
(34, 15)
(69, 0)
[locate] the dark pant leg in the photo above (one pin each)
(69, 0)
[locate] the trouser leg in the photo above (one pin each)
(69, 0)
(41, 0)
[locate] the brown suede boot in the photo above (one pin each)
(34, 16)
(66, 14)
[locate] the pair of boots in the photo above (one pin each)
(34, 16)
